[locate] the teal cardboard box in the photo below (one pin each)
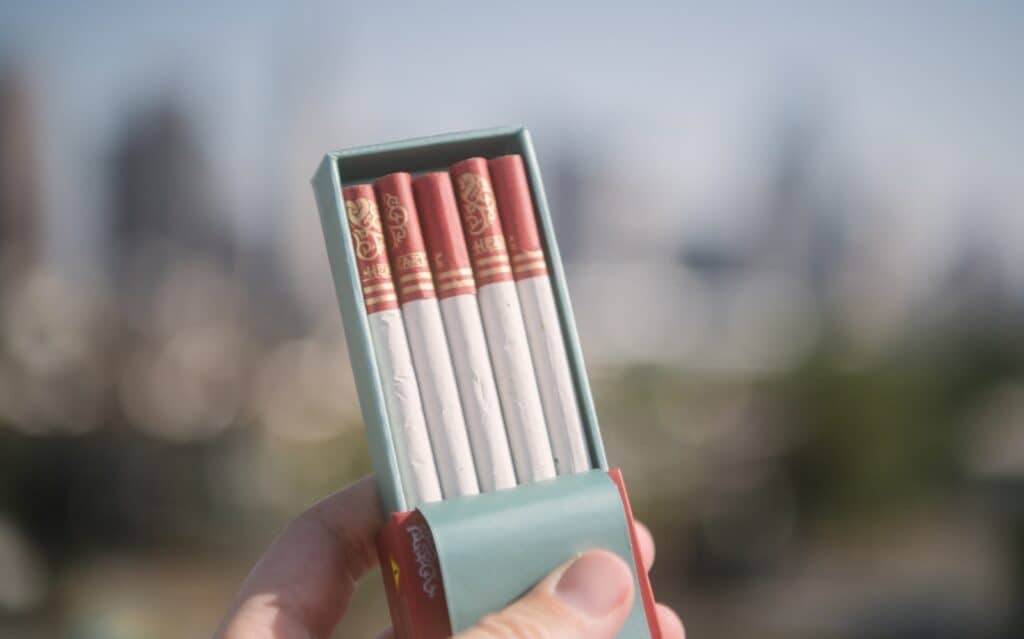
(449, 563)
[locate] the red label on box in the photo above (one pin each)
(412, 578)
(646, 594)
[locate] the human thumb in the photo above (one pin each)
(589, 597)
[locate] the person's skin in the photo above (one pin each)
(302, 585)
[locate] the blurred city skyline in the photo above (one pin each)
(854, 176)
(680, 110)
(794, 242)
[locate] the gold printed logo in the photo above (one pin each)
(482, 245)
(408, 261)
(375, 272)
(396, 216)
(477, 202)
(364, 222)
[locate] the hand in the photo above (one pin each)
(302, 585)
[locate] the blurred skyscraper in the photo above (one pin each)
(977, 293)
(184, 340)
(800, 228)
(161, 188)
(20, 223)
(566, 186)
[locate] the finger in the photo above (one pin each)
(587, 598)
(645, 541)
(670, 624)
(387, 634)
(304, 581)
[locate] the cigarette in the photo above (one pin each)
(503, 322)
(431, 359)
(547, 345)
(394, 361)
(457, 293)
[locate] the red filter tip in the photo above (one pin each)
(518, 218)
(439, 216)
(368, 244)
(480, 220)
(404, 237)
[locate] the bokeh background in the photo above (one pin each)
(794, 234)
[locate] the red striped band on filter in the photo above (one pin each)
(479, 213)
(515, 206)
(446, 245)
(404, 238)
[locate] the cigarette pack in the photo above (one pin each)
(448, 563)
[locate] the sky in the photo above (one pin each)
(923, 104)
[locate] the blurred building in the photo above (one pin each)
(20, 222)
(976, 292)
(566, 186)
(799, 232)
(183, 332)
(162, 189)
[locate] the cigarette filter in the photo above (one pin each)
(430, 356)
(503, 322)
(547, 346)
(394, 361)
(457, 293)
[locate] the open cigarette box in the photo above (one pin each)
(448, 563)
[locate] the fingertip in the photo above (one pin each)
(670, 623)
(597, 584)
(645, 540)
(387, 634)
(590, 596)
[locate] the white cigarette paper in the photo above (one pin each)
(433, 362)
(557, 393)
(547, 344)
(517, 385)
(402, 402)
(441, 404)
(456, 289)
(480, 402)
(404, 408)
(503, 322)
